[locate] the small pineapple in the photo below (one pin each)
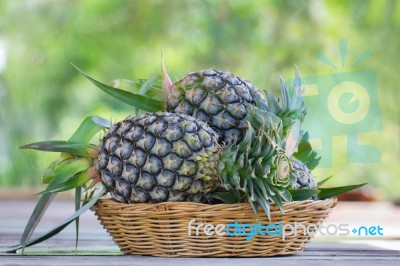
(159, 157)
(216, 97)
(303, 176)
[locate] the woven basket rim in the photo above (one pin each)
(302, 202)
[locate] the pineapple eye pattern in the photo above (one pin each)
(152, 158)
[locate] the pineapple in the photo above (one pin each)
(303, 176)
(159, 157)
(291, 110)
(253, 163)
(216, 97)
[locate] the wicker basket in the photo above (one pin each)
(162, 229)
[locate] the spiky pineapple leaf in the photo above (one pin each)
(49, 172)
(265, 205)
(278, 201)
(85, 132)
(148, 85)
(78, 195)
(80, 149)
(284, 193)
(293, 138)
(254, 206)
(48, 196)
(156, 85)
(36, 216)
(320, 183)
(57, 229)
(141, 86)
(65, 175)
(134, 99)
(289, 107)
(326, 193)
(76, 181)
(90, 127)
(303, 193)
(227, 197)
(306, 154)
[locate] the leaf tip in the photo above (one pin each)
(166, 82)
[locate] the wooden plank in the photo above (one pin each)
(97, 248)
(150, 261)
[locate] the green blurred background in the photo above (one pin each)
(43, 97)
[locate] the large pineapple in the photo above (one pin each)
(159, 157)
(216, 97)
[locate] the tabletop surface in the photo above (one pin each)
(97, 248)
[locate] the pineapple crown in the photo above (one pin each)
(290, 106)
(257, 169)
(290, 109)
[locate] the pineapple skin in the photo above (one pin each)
(159, 157)
(303, 176)
(218, 98)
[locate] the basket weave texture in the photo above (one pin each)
(162, 229)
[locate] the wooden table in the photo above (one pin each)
(97, 248)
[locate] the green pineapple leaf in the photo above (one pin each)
(68, 170)
(289, 107)
(78, 195)
(47, 198)
(227, 197)
(265, 205)
(134, 99)
(284, 193)
(254, 205)
(79, 149)
(58, 228)
(90, 127)
(141, 86)
(150, 87)
(303, 193)
(36, 216)
(306, 154)
(76, 181)
(148, 84)
(334, 191)
(49, 173)
(320, 183)
(87, 129)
